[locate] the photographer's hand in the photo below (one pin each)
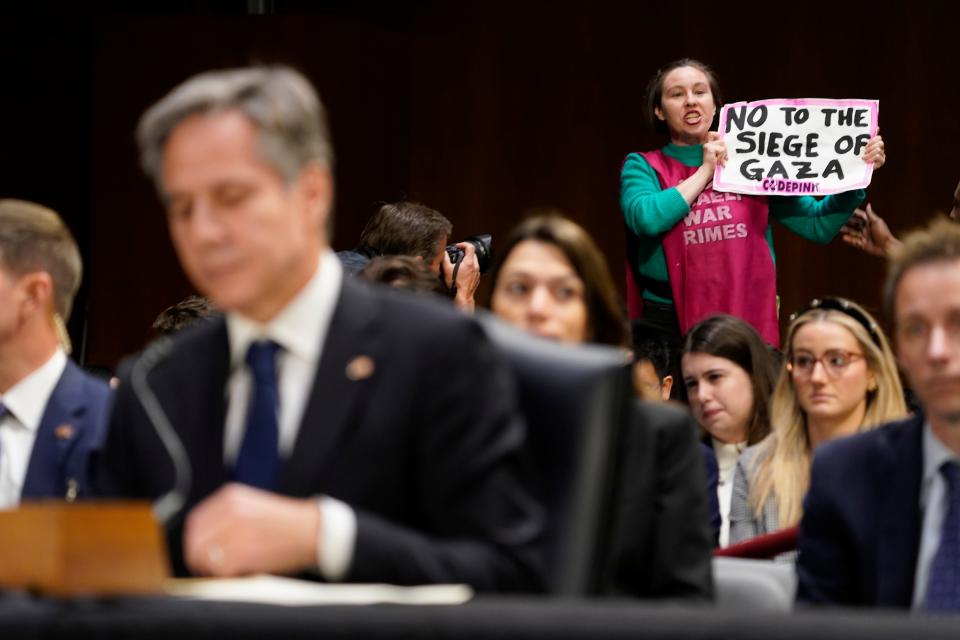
(468, 276)
(873, 234)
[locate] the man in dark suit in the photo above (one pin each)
(661, 539)
(329, 427)
(52, 415)
(881, 523)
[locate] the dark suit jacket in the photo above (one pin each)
(662, 538)
(860, 531)
(426, 449)
(71, 429)
(713, 479)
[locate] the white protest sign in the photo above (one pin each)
(792, 147)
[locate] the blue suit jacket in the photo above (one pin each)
(72, 427)
(860, 531)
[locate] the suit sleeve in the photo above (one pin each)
(116, 471)
(477, 521)
(825, 574)
(683, 541)
(125, 467)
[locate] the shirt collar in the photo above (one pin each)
(690, 155)
(726, 451)
(27, 400)
(935, 453)
(300, 326)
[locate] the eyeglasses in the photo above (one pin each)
(834, 361)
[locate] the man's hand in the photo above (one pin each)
(240, 530)
(468, 277)
(867, 231)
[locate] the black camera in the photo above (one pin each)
(482, 243)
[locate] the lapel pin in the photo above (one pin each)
(360, 368)
(64, 431)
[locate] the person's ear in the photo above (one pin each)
(666, 386)
(657, 111)
(36, 292)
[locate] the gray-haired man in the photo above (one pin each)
(367, 436)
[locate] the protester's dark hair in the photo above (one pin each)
(654, 93)
(402, 272)
(731, 338)
(406, 229)
(606, 316)
(189, 310)
(650, 343)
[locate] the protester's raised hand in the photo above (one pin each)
(875, 152)
(714, 150)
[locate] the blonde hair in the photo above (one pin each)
(782, 467)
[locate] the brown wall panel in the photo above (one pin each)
(480, 109)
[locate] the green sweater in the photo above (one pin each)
(650, 211)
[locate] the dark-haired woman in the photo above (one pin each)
(553, 281)
(682, 273)
(729, 375)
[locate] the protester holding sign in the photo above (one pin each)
(694, 250)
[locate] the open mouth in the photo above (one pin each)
(693, 117)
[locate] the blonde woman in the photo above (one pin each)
(840, 378)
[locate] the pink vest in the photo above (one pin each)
(718, 257)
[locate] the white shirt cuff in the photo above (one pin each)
(337, 536)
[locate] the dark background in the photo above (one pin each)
(479, 109)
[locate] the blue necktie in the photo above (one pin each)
(943, 590)
(258, 463)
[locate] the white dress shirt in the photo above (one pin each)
(933, 506)
(727, 455)
(301, 330)
(26, 402)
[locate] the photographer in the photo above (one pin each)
(463, 264)
(867, 231)
(413, 229)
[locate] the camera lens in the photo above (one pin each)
(483, 243)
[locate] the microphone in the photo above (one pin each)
(169, 504)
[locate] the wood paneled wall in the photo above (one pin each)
(479, 109)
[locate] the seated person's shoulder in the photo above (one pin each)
(852, 456)
(754, 452)
(668, 417)
(192, 341)
(868, 441)
(416, 315)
